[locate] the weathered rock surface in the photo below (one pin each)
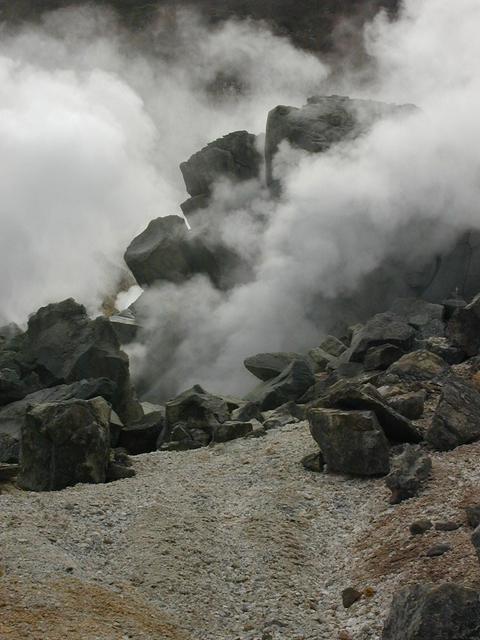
(266, 366)
(427, 612)
(168, 251)
(456, 419)
(65, 443)
(408, 472)
(425, 317)
(12, 416)
(382, 329)
(291, 384)
(351, 441)
(410, 405)
(142, 436)
(348, 395)
(66, 346)
(464, 327)
(285, 414)
(381, 357)
(418, 365)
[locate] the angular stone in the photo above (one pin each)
(267, 366)
(438, 550)
(231, 430)
(427, 612)
(463, 330)
(351, 441)
(425, 317)
(291, 384)
(408, 472)
(65, 443)
(455, 421)
(380, 358)
(410, 405)
(384, 328)
(314, 462)
(348, 395)
(473, 515)
(142, 436)
(419, 527)
(418, 365)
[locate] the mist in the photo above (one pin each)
(93, 128)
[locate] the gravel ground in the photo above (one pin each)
(235, 541)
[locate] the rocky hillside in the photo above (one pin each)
(338, 499)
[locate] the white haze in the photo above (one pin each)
(68, 197)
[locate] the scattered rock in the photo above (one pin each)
(476, 541)
(438, 550)
(314, 462)
(142, 436)
(267, 366)
(351, 441)
(463, 328)
(418, 365)
(65, 443)
(380, 358)
(384, 328)
(350, 596)
(408, 472)
(447, 526)
(285, 414)
(333, 346)
(410, 405)
(291, 384)
(427, 612)
(347, 395)
(419, 527)
(455, 421)
(230, 430)
(8, 471)
(425, 317)
(444, 349)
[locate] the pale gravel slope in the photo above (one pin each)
(236, 541)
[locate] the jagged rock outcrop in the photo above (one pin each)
(168, 251)
(234, 157)
(427, 612)
(65, 443)
(321, 123)
(351, 441)
(266, 366)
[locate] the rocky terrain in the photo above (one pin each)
(325, 503)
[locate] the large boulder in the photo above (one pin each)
(323, 122)
(427, 612)
(67, 346)
(409, 471)
(235, 157)
(382, 329)
(351, 441)
(266, 366)
(168, 251)
(417, 366)
(12, 416)
(291, 384)
(425, 317)
(350, 395)
(142, 436)
(65, 443)
(456, 419)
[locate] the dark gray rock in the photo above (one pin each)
(12, 387)
(418, 365)
(425, 317)
(409, 471)
(291, 384)
(247, 411)
(320, 359)
(333, 346)
(12, 416)
(323, 122)
(444, 349)
(287, 413)
(142, 436)
(476, 541)
(266, 366)
(410, 405)
(235, 156)
(463, 330)
(126, 329)
(168, 251)
(473, 515)
(448, 525)
(450, 306)
(349, 395)
(384, 328)
(380, 358)
(8, 471)
(351, 441)
(67, 347)
(438, 550)
(427, 612)
(65, 443)
(419, 527)
(455, 421)
(350, 595)
(231, 430)
(314, 462)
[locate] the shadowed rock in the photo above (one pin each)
(408, 472)
(291, 384)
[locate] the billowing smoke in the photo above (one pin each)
(94, 130)
(93, 126)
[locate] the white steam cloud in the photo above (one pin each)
(92, 130)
